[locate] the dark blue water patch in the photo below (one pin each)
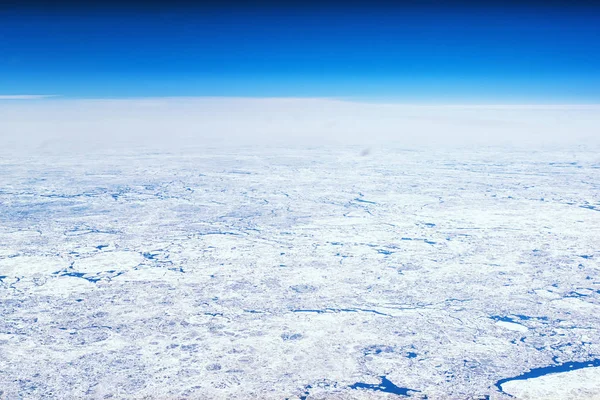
(587, 257)
(341, 310)
(110, 278)
(84, 231)
(411, 354)
(377, 349)
(372, 312)
(575, 294)
(503, 319)
(98, 327)
(353, 310)
(2, 277)
(397, 268)
(563, 164)
(82, 276)
(75, 274)
(429, 224)
(589, 207)
(526, 317)
(516, 317)
(67, 196)
(385, 386)
(217, 314)
(552, 369)
(150, 256)
(102, 246)
(291, 336)
(423, 240)
(219, 233)
(304, 396)
(364, 201)
(458, 300)
(385, 252)
(323, 384)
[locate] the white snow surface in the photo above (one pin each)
(299, 272)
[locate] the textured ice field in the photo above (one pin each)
(313, 273)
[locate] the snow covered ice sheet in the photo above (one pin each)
(312, 273)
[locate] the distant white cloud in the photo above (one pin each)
(25, 96)
(183, 123)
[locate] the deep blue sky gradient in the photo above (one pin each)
(462, 54)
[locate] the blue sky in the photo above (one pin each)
(404, 54)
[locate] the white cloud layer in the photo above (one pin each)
(25, 96)
(182, 123)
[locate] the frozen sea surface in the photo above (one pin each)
(300, 273)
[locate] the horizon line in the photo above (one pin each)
(56, 97)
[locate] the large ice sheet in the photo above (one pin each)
(297, 272)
